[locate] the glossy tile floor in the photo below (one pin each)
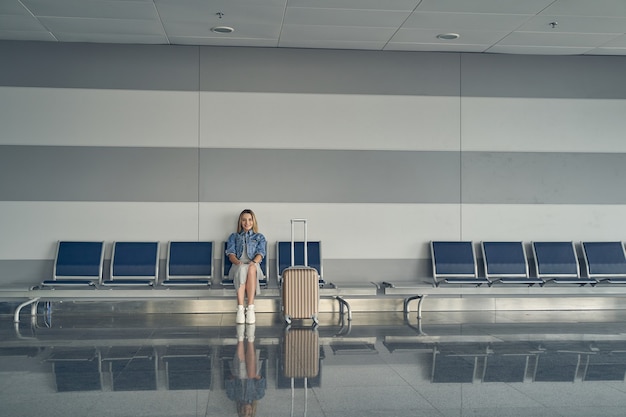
(448, 364)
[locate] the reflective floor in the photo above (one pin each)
(447, 364)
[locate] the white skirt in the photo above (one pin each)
(239, 273)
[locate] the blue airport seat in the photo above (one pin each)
(189, 264)
(506, 262)
(226, 264)
(605, 261)
(134, 264)
(314, 255)
(77, 264)
(557, 262)
(454, 262)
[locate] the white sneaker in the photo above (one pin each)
(240, 332)
(241, 315)
(250, 328)
(250, 316)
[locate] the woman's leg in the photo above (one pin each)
(240, 352)
(251, 283)
(250, 360)
(241, 290)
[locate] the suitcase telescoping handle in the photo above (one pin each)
(293, 254)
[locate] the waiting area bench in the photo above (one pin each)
(134, 276)
(506, 272)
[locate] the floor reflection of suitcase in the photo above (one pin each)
(301, 350)
(300, 287)
(301, 353)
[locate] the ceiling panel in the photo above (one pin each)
(575, 24)
(343, 17)
(556, 39)
(613, 8)
(95, 26)
(457, 22)
(224, 41)
(13, 8)
(406, 5)
(298, 33)
(21, 35)
(435, 47)
(103, 9)
(537, 50)
(121, 38)
(618, 42)
(495, 26)
(429, 36)
(20, 23)
(485, 6)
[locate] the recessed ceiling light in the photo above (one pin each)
(222, 29)
(448, 36)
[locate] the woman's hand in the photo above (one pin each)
(233, 259)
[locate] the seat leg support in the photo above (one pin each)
(408, 300)
(343, 303)
(33, 309)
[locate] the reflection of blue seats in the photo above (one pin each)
(605, 261)
(505, 368)
(134, 264)
(506, 262)
(77, 264)
(557, 261)
(556, 367)
(188, 367)
(226, 264)
(455, 263)
(76, 369)
(456, 362)
(131, 368)
(189, 264)
(605, 366)
(314, 256)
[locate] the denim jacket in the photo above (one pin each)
(256, 244)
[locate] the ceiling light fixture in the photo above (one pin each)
(222, 29)
(448, 36)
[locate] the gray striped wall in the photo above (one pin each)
(381, 151)
(40, 173)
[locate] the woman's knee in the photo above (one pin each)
(252, 273)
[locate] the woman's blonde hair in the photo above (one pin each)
(245, 409)
(255, 227)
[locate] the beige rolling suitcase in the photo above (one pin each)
(300, 286)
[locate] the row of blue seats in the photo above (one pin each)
(81, 263)
(454, 262)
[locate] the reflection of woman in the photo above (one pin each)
(245, 250)
(245, 385)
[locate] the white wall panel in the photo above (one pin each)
(511, 124)
(347, 231)
(543, 222)
(86, 117)
(328, 121)
(31, 229)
